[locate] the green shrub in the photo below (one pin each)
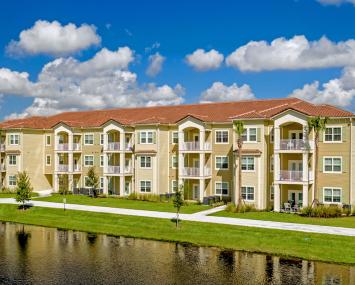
(307, 211)
(8, 190)
(347, 212)
(321, 212)
(221, 203)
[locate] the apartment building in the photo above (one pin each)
(155, 149)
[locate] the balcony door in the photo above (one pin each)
(196, 190)
(196, 162)
(296, 135)
(295, 165)
(296, 196)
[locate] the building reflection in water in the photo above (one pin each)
(30, 254)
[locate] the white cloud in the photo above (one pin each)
(108, 26)
(99, 83)
(204, 61)
(222, 93)
(293, 54)
(156, 62)
(155, 45)
(337, 92)
(335, 2)
(53, 38)
(128, 32)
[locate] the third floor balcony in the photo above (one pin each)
(295, 144)
(196, 146)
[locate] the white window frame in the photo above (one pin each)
(173, 137)
(85, 186)
(145, 162)
(334, 172)
(93, 139)
(140, 186)
(102, 139)
(93, 162)
(146, 137)
(10, 181)
(221, 182)
(215, 135)
(248, 135)
(102, 182)
(50, 160)
(272, 135)
(332, 141)
(101, 161)
(332, 188)
(11, 160)
(172, 185)
(172, 162)
(50, 140)
(246, 194)
(13, 139)
(247, 157)
(272, 193)
(272, 164)
(215, 162)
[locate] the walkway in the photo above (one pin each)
(196, 218)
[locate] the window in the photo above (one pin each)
(86, 179)
(48, 140)
(12, 160)
(271, 164)
(146, 161)
(101, 139)
(88, 139)
(248, 164)
(332, 134)
(175, 185)
(101, 161)
(175, 137)
(332, 195)
(14, 139)
(146, 186)
(146, 137)
(221, 188)
(48, 160)
(332, 164)
(221, 162)
(61, 159)
(61, 139)
(101, 182)
(272, 136)
(175, 162)
(248, 193)
(89, 160)
(272, 193)
(249, 135)
(221, 136)
(12, 180)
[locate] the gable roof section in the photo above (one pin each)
(206, 112)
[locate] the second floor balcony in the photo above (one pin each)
(295, 144)
(2, 147)
(114, 146)
(196, 146)
(195, 171)
(291, 175)
(63, 167)
(113, 169)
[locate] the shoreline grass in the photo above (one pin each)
(289, 244)
(122, 203)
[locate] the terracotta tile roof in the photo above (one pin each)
(12, 151)
(246, 151)
(206, 112)
(145, 151)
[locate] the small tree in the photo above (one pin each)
(65, 183)
(185, 190)
(239, 128)
(93, 178)
(178, 201)
(24, 188)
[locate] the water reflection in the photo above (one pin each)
(36, 255)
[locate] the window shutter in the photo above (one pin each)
(186, 136)
(82, 181)
(321, 164)
(344, 134)
(19, 139)
(83, 160)
(343, 166)
(186, 161)
(320, 195)
(170, 137)
(8, 140)
(171, 162)
(321, 135)
(170, 186)
(154, 137)
(258, 131)
(343, 196)
(98, 138)
(272, 161)
(139, 138)
(82, 139)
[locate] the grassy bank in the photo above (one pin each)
(346, 222)
(122, 203)
(309, 246)
(13, 195)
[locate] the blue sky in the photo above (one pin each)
(179, 29)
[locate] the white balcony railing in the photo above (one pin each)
(128, 169)
(76, 167)
(3, 167)
(76, 146)
(63, 146)
(63, 168)
(191, 146)
(113, 146)
(191, 171)
(208, 171)
(296, 144)
(311, 144)
(128, 146)
(290, 175)
(2, 147)
(208, 146)
(113, 169)
(310, 175)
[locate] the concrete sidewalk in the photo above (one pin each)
(196, 218)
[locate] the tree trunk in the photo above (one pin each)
(316, 170)
(177, 219)
(23, 205)
(240, 174)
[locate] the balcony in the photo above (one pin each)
(296, 145)
(113, 146)
(76, 167)
(113, 169)
(195, 171)
(128, 169)
(191, 146)
(290, 175)
(128, 146)
(76, 146)
(63, 168)
(2, 147)
(3, 167)
(63, 146)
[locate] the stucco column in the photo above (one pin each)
(202, 139)
(70, 162)
(71, 182)
(277, 138)
(305, 195)
(56, 161)
(122, 141)
(56, 183)
(56, 141)
(105, 185)
(305, 166)
(180, 163)
(70, 141)
(122, 163)
(277, 199)
(202, 189)
(277, 166)
(202, 165)
(122, 186)
(105, 162)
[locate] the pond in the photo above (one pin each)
(39, 255)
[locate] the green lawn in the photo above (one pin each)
(13, 195)
(346, 222)
(122, 203)
(308, 246)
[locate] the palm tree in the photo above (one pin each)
(317, 124)
(239, 128)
